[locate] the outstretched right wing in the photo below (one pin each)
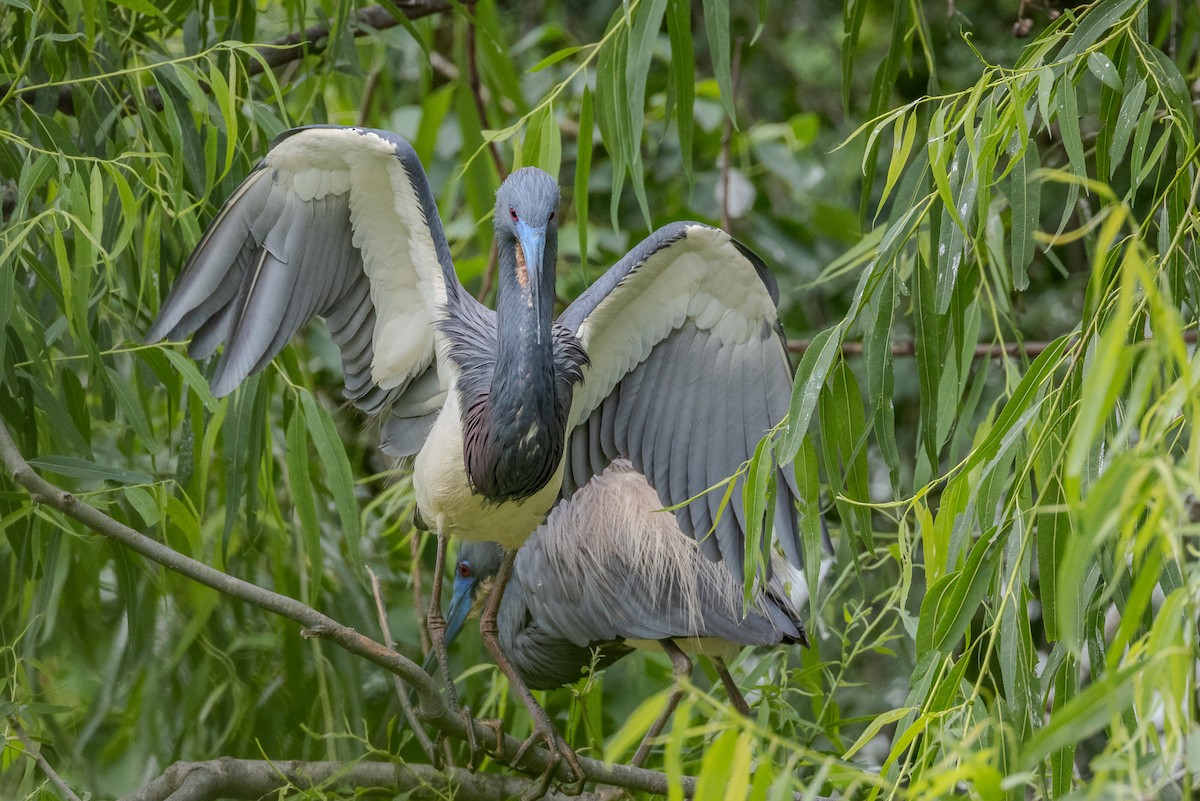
(334, 221)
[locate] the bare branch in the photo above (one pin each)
(256, 778)
(431, 708)
(401, 691)
(35, 753)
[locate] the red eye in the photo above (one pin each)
(464, 570)
(512, 213)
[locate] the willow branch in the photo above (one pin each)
(431, 708)
(256, 778)
(405, 705)
(34, 752)
(284, 50)
(982, 351)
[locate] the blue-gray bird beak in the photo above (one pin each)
(530, 251)
(456, 615)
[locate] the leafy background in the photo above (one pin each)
(985, 242)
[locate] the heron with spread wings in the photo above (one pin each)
(674, 359)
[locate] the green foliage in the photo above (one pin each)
(1011, 610)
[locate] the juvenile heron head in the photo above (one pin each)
(477, 562)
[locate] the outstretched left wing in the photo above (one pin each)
(688, 371)
(337, 222)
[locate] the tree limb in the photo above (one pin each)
(35, 753)
(431, 708)
(257, 778)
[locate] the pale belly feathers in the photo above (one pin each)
(449, 506)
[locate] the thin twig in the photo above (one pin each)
(431, 708)
(364, 108)
(489, 273)
(414, 544)
(477, 93)
(35, 753)
(414, 722)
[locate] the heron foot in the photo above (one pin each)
(476, 752)
(558, 752)
(497, 727)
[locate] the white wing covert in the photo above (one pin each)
(334, 221)
(689, 370)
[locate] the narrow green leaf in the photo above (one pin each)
(337, 471)
(877, 348)
(808, 481)
(1068, 126)
(1083, 715)
(1104, 69)
(1026, 204)
(715, 767)
(891, 716)
(929, 356)
(1053, 533)
(583, 171)
(191, 376)
(434, 108)
(683, 79)
(304, 499)
(555, 57)
(1127, 118)
(241, 453)
(74, 467)
(716, 28)
(853, 14)
(810, 377)
(131, 407)
(963, 598)
(1094, 23)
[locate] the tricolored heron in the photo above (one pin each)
(673, 359)
(609, 572)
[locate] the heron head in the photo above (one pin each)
(527, 232)
(477, 563)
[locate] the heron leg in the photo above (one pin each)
(681, 666)
(435, 622)
(543, 728)
(731, 689)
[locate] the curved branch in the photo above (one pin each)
(256, 778)
(35, 753)
(431, 708)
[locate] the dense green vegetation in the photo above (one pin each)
(986, 250)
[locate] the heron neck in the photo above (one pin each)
(524, 381)
(513, 432)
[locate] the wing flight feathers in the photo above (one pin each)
(688, 372)
(336, 222)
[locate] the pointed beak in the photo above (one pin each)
(456, 615)
(531, 249)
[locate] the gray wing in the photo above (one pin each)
(544, 658)
(337, 222)
(688, 371)
(606, 565)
